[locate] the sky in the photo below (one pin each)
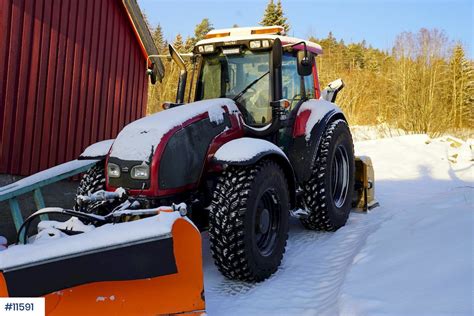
(378, 22)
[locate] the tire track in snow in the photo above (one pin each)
(325, 276)
(315, 264)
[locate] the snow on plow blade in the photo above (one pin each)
(364, 199)
(150, 266)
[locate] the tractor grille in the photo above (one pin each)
(125, 180)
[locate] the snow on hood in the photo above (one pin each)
(105, 236)
(244, 149)
(318, 109)
(139, 139)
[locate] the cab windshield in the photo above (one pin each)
(243, 77)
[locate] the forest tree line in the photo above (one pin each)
(424, 84)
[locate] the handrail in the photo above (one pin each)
(35, 182)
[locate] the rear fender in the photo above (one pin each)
(249, 151)
(312, 119)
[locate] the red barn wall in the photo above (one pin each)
(71, 73)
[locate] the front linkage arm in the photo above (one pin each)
(127, 208)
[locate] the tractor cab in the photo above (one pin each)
(256, 66)
(267, 74)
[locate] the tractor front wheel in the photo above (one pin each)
(92, 181)
(248, 222)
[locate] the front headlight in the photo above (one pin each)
(113, 171)
(209, 48)
(255, 44)
(140, 172)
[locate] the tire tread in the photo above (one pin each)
(226, 222)
(314, 189)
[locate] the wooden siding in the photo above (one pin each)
(71, 73)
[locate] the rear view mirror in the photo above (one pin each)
(155, 69)
(182, 74)
(305, 64)
(152, 73)
(330, 92)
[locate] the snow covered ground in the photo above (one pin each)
(413, 255)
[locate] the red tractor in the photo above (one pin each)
(259, 143)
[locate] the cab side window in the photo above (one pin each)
(295, 86)
(291, 81)
(309, 86)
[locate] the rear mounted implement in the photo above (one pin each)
(364, 198)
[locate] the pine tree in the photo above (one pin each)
(202, 29)
(155, 91)
(270, 15)
(159, 39)
(356, 54)
(462, 88)
(189, 44)
(200, 32)
(178, 43)
(280, 17)
(274, 15)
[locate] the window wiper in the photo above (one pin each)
(241, 93)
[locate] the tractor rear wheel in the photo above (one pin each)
(328, 193)
(248, 221)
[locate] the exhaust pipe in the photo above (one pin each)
(182, 75)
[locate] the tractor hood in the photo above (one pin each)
(139, 140)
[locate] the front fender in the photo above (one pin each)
(249, 151)
(246, 151)
(303, 148)
(97, 150)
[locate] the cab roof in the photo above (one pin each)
(258, 32)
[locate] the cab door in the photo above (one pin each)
(296, 89)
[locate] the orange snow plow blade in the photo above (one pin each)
(176, 288)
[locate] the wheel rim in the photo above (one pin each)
(267, 222)
(340, 176)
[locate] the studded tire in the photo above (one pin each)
(92, 181)
(327, 212)
(239, 221)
